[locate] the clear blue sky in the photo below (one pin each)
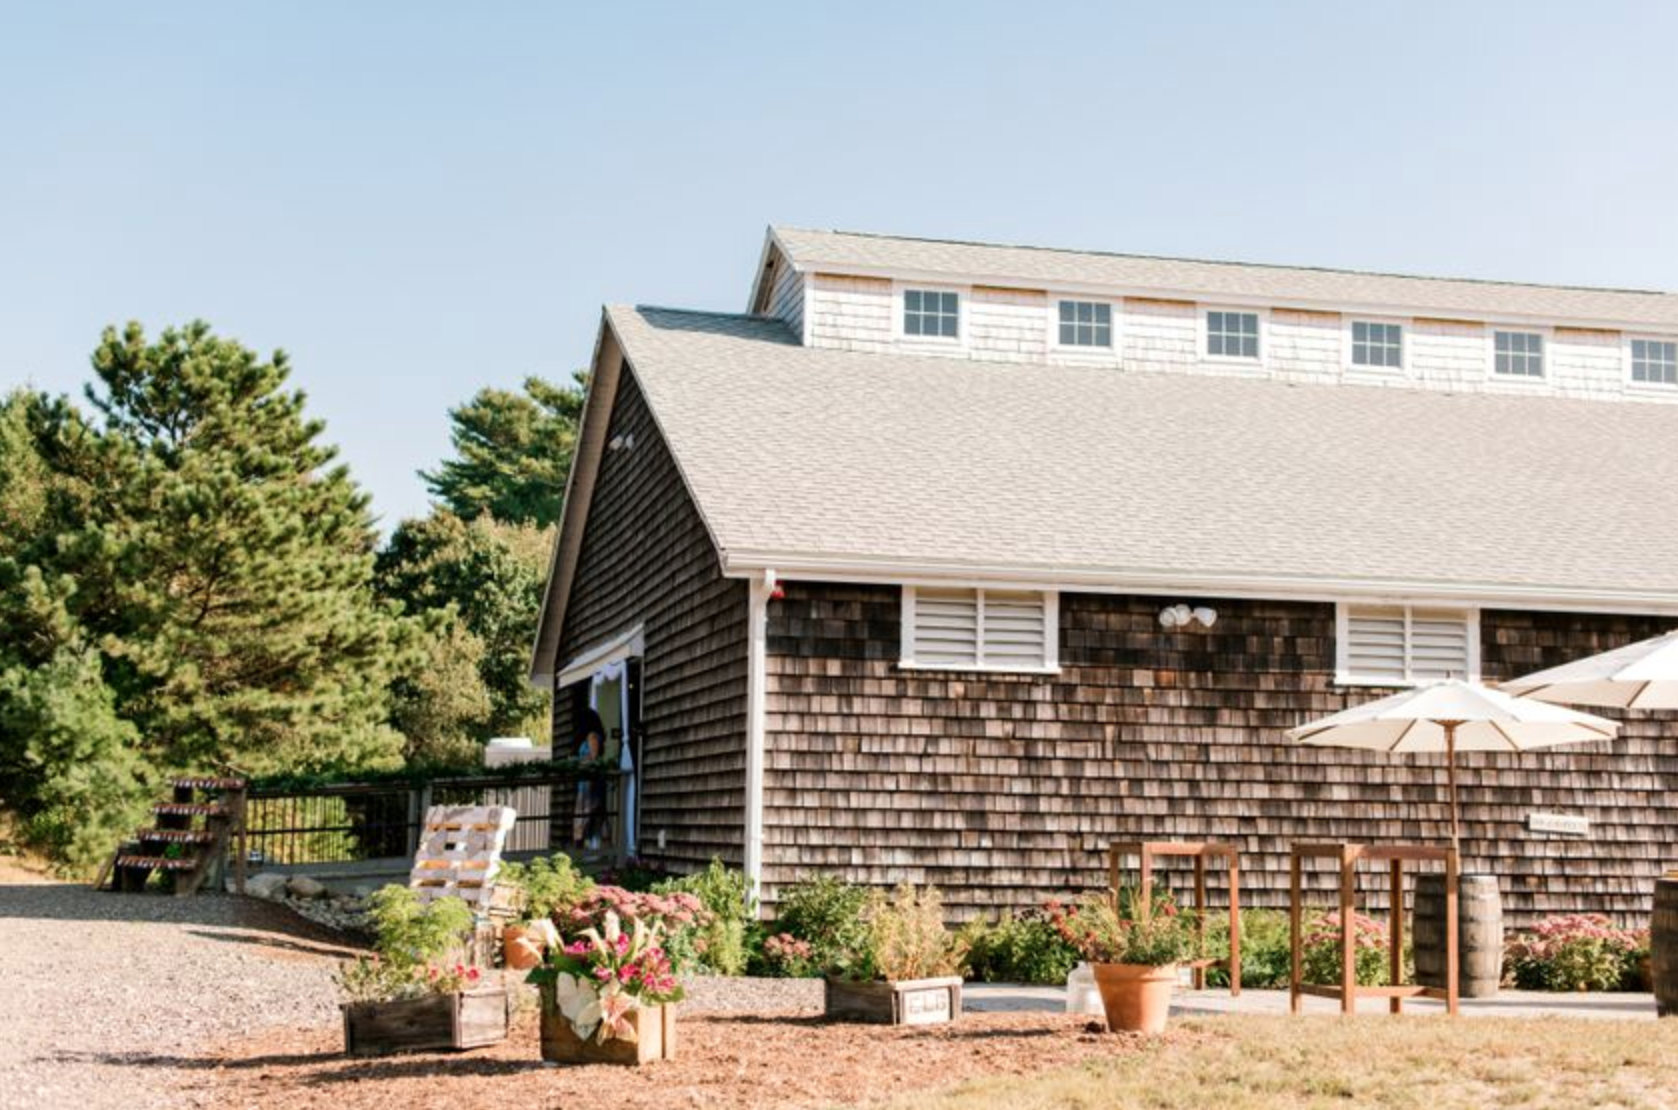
(416, 200)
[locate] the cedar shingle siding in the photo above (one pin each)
(646, 559)
(1005, 791)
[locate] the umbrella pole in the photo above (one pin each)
(1451, 781)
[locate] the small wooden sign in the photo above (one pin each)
(1564, 824)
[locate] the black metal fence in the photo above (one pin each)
(353, 822)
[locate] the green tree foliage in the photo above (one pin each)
(196, 585)
(24, 478)
(491, 575)
(513, 453)
(439, 702)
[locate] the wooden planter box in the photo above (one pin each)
(465, 1019)
(904, 1002)
(655, 1038)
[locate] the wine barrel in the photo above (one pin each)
(1479, 934)
(1663, 939)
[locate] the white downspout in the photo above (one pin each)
(757, 630)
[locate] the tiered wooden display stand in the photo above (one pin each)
(1396, 991)
(1146, 852)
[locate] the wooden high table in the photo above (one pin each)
(1146, 851)
(1396, 991)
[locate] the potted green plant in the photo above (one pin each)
(1133, 951)
(543, 889)
(610, 995)
(410, 994)
(904, 967)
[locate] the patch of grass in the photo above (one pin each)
(1410, 1063)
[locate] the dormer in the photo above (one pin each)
(983, 302)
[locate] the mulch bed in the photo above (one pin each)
(724, 1060)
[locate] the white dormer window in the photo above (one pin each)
(1380, 346)
(1232, 334)
(1086, 324)
(931, 312)
(1518, 354)
(1654, 361)
(981, 630)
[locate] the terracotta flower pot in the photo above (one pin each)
(1137, 997)
(521, 949)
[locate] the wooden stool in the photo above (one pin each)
(1200, 851)
(1348, 991)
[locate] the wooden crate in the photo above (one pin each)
(464, 1019)
(655, 1038)
(904, 1002)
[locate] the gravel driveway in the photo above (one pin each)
(106, 999)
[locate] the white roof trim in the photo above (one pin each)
(1120, 581)
(625, 645)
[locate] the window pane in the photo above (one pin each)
(949, 326)
(1067, 335)
(1067, 313)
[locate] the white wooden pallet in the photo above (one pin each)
(460, 853)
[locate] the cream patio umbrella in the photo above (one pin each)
(1449, 717)
(1643, 675)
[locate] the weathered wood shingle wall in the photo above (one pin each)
(1006, 790)
(646, 559)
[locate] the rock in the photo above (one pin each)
(301, 886)
(268, 885)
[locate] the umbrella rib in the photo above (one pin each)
(1400, 738)
(1501, 731)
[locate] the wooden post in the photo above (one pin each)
(1450, 728)
(1451, 952)
(242, 860)
(1234, 924)
(1199, 978)
(1115, 873)
(1145, 890)
(1348, 936)
(1395, 936)
(1295, 942)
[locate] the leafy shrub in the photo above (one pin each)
(1575, 952)
(785, 956)
(550, 885)
(371, 979)
(1266, 949)
(906, 938)
(825, 913)
(637, 875)
(1018, 949)
(720, 944)
(1105, 933)
(1320, 959)
(407, 932)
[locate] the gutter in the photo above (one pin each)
(757, 668)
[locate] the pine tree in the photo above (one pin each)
(514, 451)
(225, 570)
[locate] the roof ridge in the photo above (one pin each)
(1345, 270)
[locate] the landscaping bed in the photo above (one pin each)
(787, 1059)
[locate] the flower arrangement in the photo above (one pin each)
(375, 979)
(1575, 952)
(788, 956)
(1109, 931)
(597, 982)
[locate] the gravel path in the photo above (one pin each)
(109, 998)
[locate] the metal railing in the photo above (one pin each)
(354, 822)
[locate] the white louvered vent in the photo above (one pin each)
(998, 630)
(1397, 645)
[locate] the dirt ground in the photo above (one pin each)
(724, 1060)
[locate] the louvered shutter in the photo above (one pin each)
(1375, 644)
(1399, 644)
(1015, 629)
(946, 628)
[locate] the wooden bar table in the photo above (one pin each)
(1145, 852)
(1348, 991)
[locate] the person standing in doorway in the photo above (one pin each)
(589, 815)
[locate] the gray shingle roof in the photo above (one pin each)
(1198, 280)
(813, 456)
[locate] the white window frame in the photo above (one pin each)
(1547, 351)
(1632, 384)
(1107, 352)
(1343, 674)
(1051, 634)
(1203, 332)
(1386, 373)
(964, 305)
